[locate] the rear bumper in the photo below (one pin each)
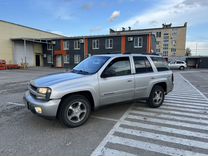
(49, 108)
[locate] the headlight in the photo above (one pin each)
(44, 93)
(43, 90)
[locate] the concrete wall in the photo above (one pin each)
(9, 30)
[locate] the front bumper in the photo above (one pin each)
(49, 108)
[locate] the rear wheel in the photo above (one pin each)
(181, 67)
(74, 110)
(156, 97)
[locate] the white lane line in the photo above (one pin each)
(182, 97)
(169, 116)
(186, 106)
(188, 100)
(104, 118)
(169, 122)
(152, 147)
(166, 129)
(163, 137)
(98, 150)
(184, 109)
(174, 112)
(113, 152)
(17, 104)
(196, 103)
(194, 87)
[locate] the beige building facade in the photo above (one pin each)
(9, 31)
(170, 41)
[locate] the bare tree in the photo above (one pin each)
(188, 52)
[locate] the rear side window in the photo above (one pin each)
(160, 63)
(118, 67)
(142, 65)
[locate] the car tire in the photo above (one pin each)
(181, 67)
(74, 110)
(156, 97)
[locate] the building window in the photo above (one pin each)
(66, 45)
(49, 46)
(76, 59)
(76, 44)
(165, 46)
(158, 34)
(157, 42)
(108, 43)
(95, 44)
(138, 42)
(49, 58)
(158, 50)
(165, 53)
(165, 34)
(66, 58)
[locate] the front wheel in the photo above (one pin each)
(74, 110)
(156, 97)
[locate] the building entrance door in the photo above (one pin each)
(37, 60)
(59, 61)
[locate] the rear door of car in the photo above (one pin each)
(143, 76)
(116, 82)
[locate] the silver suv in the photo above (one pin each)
(99, 80)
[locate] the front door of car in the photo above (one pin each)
(116, 82)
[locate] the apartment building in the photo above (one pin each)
(170, 40)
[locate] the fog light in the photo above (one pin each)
(38, 110)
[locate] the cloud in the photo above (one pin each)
(180, 11)
(114, 15)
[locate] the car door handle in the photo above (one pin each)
(152, 77)
(129, 80)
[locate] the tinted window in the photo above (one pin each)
(142, 65)
(118, 67)
(90, 65)
(180, 62)
(160, 63)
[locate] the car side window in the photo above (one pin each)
(142, 65)
(117, 67)
(160, 63)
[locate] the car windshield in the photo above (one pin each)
(90, 65)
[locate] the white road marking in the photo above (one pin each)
(104, 118)
(166, 129)
(198, 116)
(194, 87)
(17, 104)
(152, 147)
(185, 106)
(112, 152)
(168, 116)
(162, 137)
(169, 122)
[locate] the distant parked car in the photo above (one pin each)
(178, 65)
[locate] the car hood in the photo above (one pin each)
(49, 80)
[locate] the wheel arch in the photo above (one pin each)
(85, 93)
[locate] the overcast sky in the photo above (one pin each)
(82, 17)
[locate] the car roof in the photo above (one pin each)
(117, 55)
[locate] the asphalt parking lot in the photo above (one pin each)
(179, 127)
